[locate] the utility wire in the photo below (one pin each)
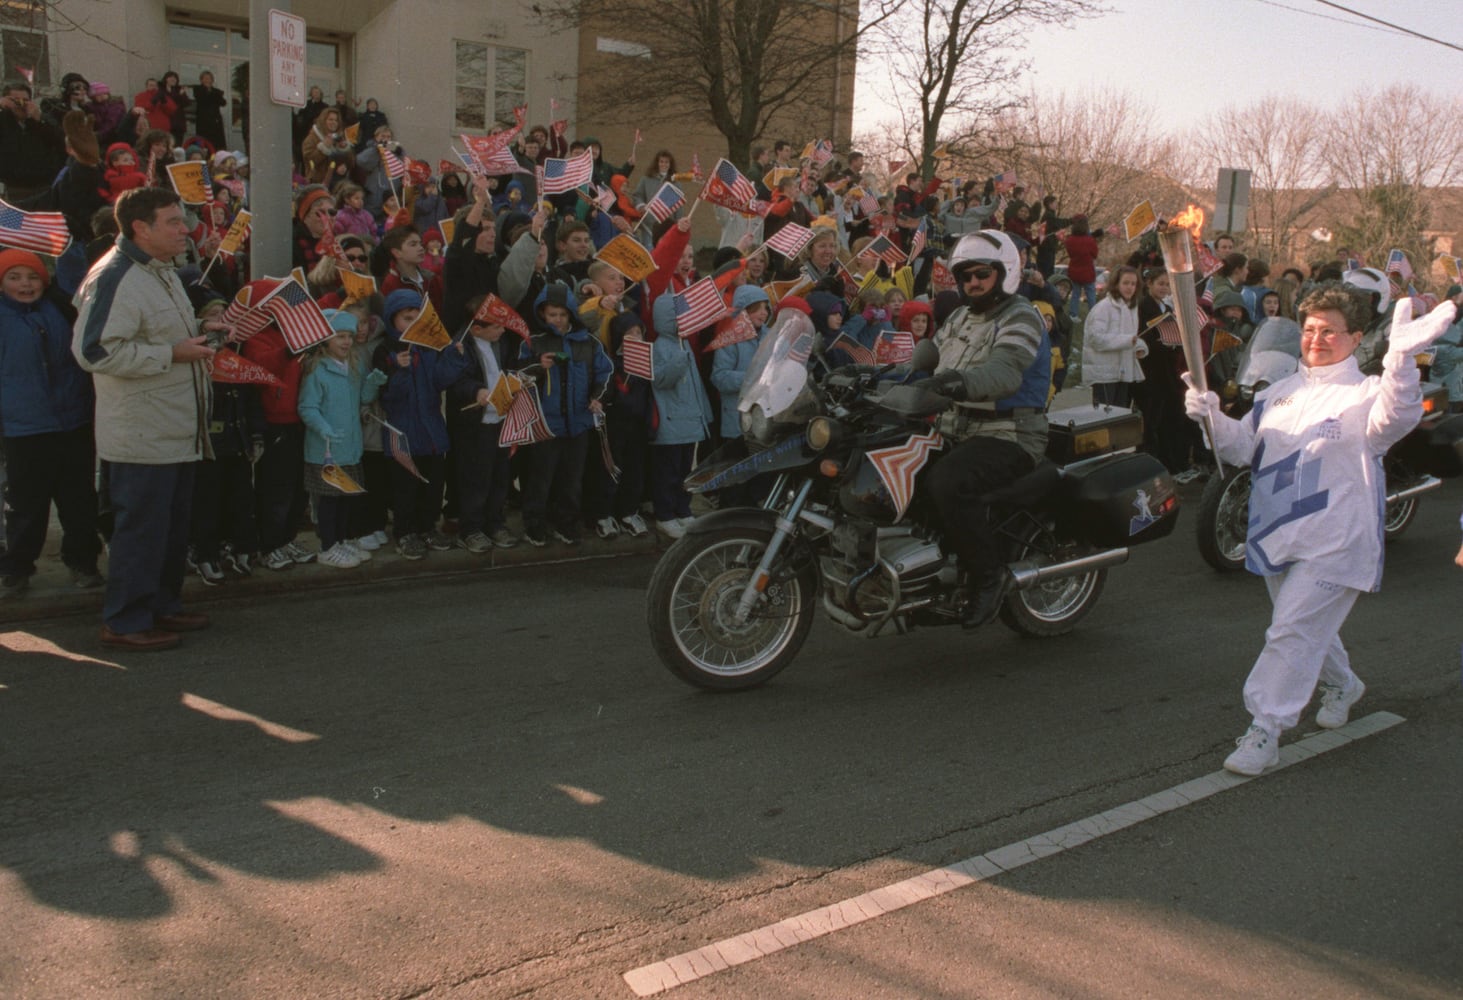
(1328, 17)
(1389, 24)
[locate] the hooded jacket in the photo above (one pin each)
(42, 389)
(729, 364)
(685, 410)
(412, 396)
(581, 373)
(133, 309)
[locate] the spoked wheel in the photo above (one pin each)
(692, 606)
(1398, 516)
(1224, 520)
(1054, 607)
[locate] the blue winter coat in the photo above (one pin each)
(685, 409)
(331, 397)
(729, 364)
(412, 397)
(572, 381)
(42, 388)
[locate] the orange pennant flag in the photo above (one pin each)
(335, 476)
(427, 329)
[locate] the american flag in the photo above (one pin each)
(868, 205)
(819, 152)
(917, 242)
(395, 165)
(566, 175)
(759, 207)
(639, 358)
(1168, 330)
(41, 232)
(298, 316)
(698, 307)
(396, 445)
(696, 167)
(1005, 180)
(243, 320)
(886, 250)
(1397, 263)
(858, 353)
(329, 246)
(666, 201)
(489, 154)
(524, 422)
(895, 348)
(728, 186)
(790, 239)
(801, 350)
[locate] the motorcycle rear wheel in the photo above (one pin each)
(692, 602)
(1398, 516)
(1054, 608)
(1224, 520)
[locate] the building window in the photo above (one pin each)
(620, 47)
(491, 81)
(23, 43)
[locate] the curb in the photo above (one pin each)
(44, 601)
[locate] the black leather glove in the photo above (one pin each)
(949, 383)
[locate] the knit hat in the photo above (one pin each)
(307, 198)
(100, 90)
(794, 302)
(340, 319)
(402, 298)
(23, 258)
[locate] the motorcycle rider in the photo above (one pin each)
(1378, 289)
(988, 346)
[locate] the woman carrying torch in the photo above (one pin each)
(1314, 443)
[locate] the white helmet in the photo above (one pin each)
(989, 246)
(1369, 279)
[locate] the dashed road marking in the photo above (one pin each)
(692, 965)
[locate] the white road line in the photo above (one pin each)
(692, 965)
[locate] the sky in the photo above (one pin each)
(1230, 52)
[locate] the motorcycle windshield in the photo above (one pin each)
(777, 380)
(1272, 353)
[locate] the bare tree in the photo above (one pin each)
(1279, 141)
(952, 66)
(738, 63)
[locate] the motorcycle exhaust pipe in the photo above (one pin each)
(1424, 485)
(1027, 574)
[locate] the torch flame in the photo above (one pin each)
(1191, 218)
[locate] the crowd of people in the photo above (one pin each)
(380, 439)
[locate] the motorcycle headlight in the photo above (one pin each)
(821, 433)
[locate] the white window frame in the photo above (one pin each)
(488, 85)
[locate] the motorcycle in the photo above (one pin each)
(843, 527)
(1415, 465)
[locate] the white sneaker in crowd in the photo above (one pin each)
(366, 543)
(280, 558)
(1336, 704)
(361, 553)
(671, 528)
(1256, 750)
(340, 556)
(607, 527)
(634, 526)
(685, 523)
(380, 538)
(299, 553)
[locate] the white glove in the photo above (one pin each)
(1412, 336)
(1198, 405)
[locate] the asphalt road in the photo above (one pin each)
(486, 786)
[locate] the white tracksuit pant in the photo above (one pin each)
(1302, 644)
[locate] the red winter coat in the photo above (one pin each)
(1081, 259)
(267, 348)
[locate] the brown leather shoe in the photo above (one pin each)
(152, 639)
(183, 621)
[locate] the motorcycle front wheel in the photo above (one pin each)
(692, 606)
(1224, 520)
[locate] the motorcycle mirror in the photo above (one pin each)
(926, 357)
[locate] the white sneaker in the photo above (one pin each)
(634, 525)
(366, 543)
(686, 523)
(339, 556)
(607, 527)
(299, 553)
(671, 528)
(358, 550)
(1257, 750)
(1336, 704)
(380, 538)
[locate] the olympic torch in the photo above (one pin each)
(1176, 241)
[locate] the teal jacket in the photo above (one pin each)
(331, 397)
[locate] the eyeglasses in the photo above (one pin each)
(980, 272)
(1327, 333)
(357, 257)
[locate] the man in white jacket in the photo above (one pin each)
(1314, 443)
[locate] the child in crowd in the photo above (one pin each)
(399, 263)
(483, 472)
(351, 215)
(629, 420)
(222, 534)
(122, 173)
(728, 368)
(412, 399)
(875, 314)
(368, 529)
(576, 374)
(332, 391)
(46, 405)
(684, 419)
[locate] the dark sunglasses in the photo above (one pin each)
(358, 257)
(980, 272)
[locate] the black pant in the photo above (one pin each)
(483, 478)
(670, 464)
(279, 485)
(152, 505)
(415, 505)
(1112, 394)
(332, 518)
(223, 507)
(631, 447)
(368, 513)
(956, 483)
(551, 491)
(42, 469)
